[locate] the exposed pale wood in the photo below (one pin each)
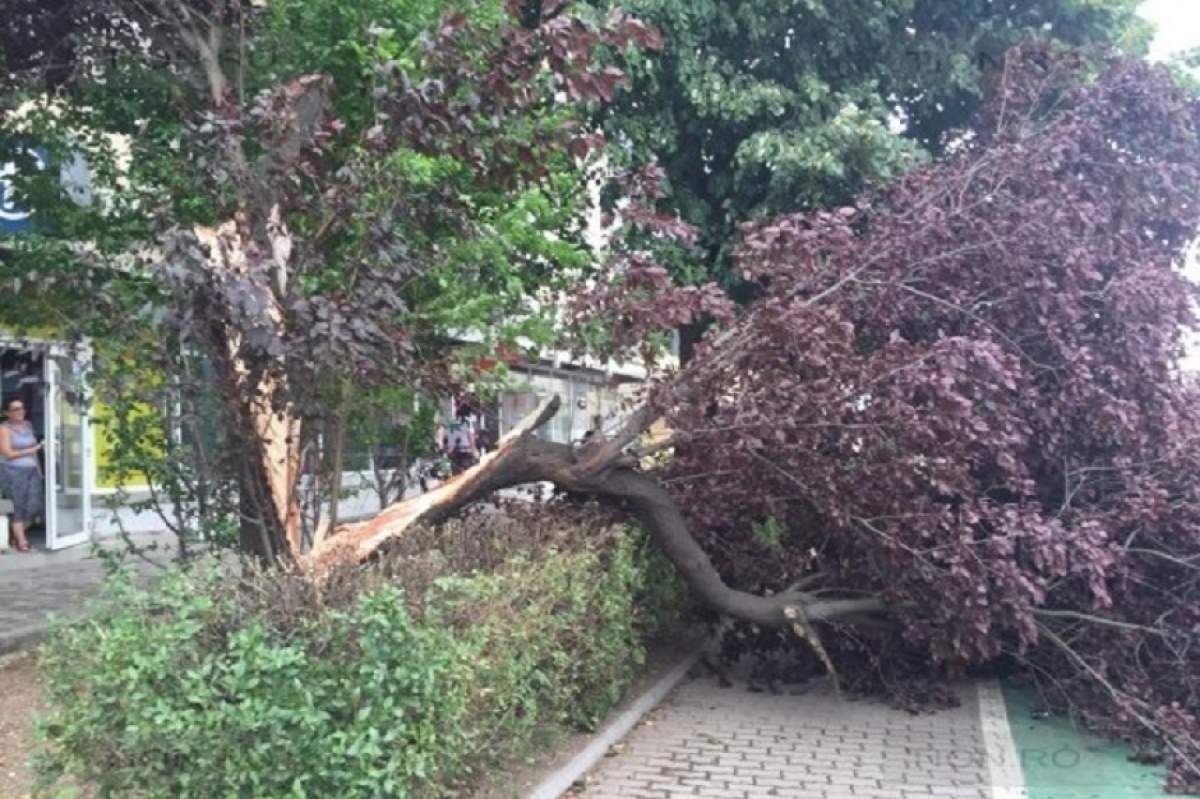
(280, 434)
(356, 542)
(277, 430)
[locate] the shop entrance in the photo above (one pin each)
(49, 381)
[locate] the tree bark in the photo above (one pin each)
(258, 531)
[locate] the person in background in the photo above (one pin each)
(460, 441)
(20, 473)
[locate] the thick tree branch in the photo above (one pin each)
(498, 469)
(523, 458)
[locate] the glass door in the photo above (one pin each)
(68, 489)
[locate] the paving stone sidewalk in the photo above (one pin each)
(37, 584)
(707, 741)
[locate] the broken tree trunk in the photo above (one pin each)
(355, 543)
(523, 458)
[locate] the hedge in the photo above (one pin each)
(409, 679)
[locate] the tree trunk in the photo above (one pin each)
(256, 534)
(521, 458)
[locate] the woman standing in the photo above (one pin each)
(20, 475)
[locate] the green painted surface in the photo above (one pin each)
(1061, 761)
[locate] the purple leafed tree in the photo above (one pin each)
(963, 398)
(950, 430)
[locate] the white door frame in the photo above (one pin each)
(49, 451)
(56, 538)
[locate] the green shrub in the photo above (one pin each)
(263, 687)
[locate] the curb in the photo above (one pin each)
(1003, 763)
(561, 780)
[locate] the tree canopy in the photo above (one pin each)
(310, 198)
(760, 108)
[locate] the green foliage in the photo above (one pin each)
(329, 37)
(197, 690)
(1186, 66)
(771, 533)
(399, 243)
(162, 445)
(183, 698)
(761, 108)
(393, 418)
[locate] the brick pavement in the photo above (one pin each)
(728, 743)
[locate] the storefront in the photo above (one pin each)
(49, 378)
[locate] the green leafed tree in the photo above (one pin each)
(314, 199)
(761, 107)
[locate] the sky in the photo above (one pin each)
(1178, 23)
(1178, 28)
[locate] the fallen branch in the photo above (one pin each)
(611, 475)
(806, 632)
(356, 542)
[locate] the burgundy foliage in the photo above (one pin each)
(480, 85)
(963, 396)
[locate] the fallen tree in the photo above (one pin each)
(955, 408)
